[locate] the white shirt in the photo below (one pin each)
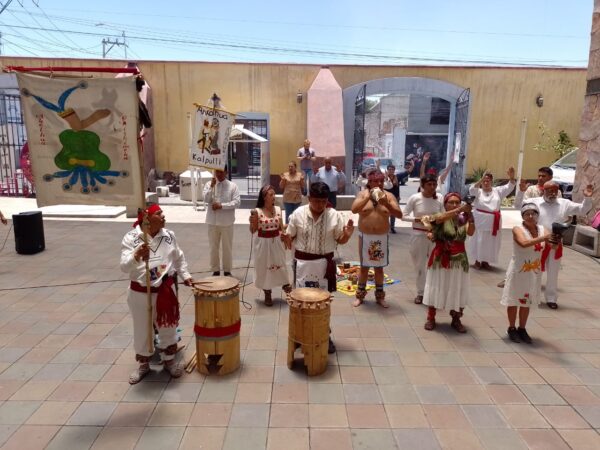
(318, 237)
(228, 195)
(419, 206)
(490, 201)
(535, 191)
(165, 257)
(329, 177)
(555, 212)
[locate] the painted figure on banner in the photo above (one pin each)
(82, 133)
(80, 159)
(212, 127)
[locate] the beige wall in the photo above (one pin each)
(500, 97)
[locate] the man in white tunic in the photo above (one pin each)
(332, 177)
(424, 203)
(554, 209)
(316, 231)
(165, 261)
(222, 197)
(484, 245)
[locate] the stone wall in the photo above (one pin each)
(588, 157)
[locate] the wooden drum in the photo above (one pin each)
(309, 327)
(217, 326)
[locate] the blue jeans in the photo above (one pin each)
(307, 175)
(289, 209)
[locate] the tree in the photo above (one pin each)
(559, 143)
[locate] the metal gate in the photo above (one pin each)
(457, 176)
(244, 160)
(15, 166)
(359, 132)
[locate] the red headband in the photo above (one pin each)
(150, 210)
(451, 194)
(375, 175)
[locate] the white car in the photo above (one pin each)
(564, 173)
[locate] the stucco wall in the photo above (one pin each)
(500, 98)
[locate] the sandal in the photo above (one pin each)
(174, 369)
(552, 305)
(287, 288)
(456, 323)
(430, 324)
(360, 297)
(418, 299)
(380, 299)
(138, 374)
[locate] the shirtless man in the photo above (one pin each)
(374, 207)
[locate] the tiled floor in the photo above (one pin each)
(65, 355)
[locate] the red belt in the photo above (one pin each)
(497, 216)
(546, 253)
(167, 304)
(218, 332)
(444, 250)
(268, 233)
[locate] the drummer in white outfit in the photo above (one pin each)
(523, 286)
(424, 203)
(484, 246)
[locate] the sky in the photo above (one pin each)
(376, 32)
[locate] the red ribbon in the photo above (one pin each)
(497, 216)
(218, 332)
(444, 250)
(268, 233)
(546, 252)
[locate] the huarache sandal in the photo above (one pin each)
(174, 369)
(138, 374)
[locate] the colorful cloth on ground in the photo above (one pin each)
(346, 281)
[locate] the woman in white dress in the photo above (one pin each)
(523, 285)
(447, 282)
(484, 246)
(270, 266)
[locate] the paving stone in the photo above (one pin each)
(381, 439)
(160, 438)
(74, 437)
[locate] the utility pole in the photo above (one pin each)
(106, 42)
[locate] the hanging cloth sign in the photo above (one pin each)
(212, 127)
(82, 139)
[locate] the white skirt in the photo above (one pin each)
(270, 266)
(446, 288)
(483, 246)
(521, 288)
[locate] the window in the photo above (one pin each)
(440, 111)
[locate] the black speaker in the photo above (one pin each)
(29, 232)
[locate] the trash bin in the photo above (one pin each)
(29, 232)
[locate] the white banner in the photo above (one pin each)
(82, 136)
(212, 128)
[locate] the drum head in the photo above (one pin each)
(216, 284)
(309, 295)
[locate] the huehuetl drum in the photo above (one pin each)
(217, 326)
(309, 327)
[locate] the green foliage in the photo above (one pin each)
(476, 174)
(559, 143)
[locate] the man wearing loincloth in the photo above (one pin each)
(165, 262)
(374, 207)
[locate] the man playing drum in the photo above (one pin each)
(165, 261)
(316, 231)
(374, 207)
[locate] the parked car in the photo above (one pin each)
(564, 173)
(383, 163)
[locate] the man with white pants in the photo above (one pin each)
(165, 263)
(424, 203)
(554, 209)
(222, 197)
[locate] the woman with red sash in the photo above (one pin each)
(447, 282)
(270, 267)
(165, 262)
(484, 246)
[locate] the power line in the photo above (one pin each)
(274, 49)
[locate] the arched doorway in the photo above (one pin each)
(399, 118)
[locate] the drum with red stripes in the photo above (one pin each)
(217, 326)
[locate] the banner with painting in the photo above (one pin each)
(212, 127)
(82, 138)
